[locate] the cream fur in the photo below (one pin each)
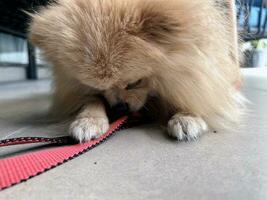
(180, 50)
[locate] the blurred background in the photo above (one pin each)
(20, 61)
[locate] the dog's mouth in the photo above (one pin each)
(118, 110)
(122, 107)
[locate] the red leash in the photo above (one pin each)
(20, 168)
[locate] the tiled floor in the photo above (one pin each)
(142, 163)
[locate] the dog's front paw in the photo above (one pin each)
(85, 129)
(184, 127)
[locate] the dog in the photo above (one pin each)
(177, 53)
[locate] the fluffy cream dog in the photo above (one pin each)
(128, 51)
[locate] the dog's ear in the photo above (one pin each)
(44, 26)
(38, 30)
(158, 25)
(34, 35)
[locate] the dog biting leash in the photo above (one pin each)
(14, 170)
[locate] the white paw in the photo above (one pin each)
(85, 129)
(185, 127)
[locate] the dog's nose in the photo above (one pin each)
(121, 107)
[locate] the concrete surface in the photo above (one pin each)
(142, 163)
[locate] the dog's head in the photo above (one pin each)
(111, 46)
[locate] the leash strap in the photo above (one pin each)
(20, 168)
(31, 140)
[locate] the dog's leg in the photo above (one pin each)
(90, 123)
(186, 127)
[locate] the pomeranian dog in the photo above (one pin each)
(132, 52)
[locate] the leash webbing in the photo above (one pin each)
(14, 170)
